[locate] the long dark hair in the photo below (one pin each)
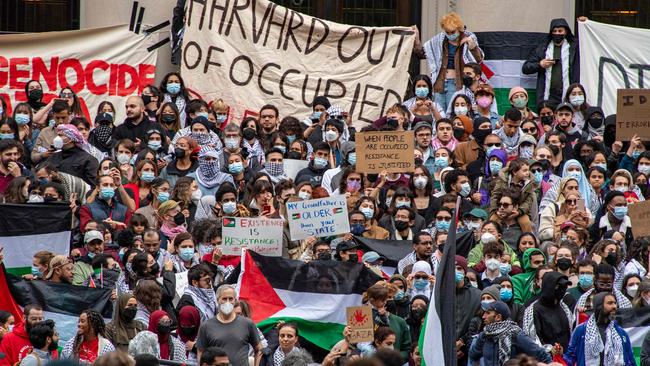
(96, 323)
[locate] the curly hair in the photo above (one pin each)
(96, 324)
(204, 230)
(149, 294)
(452, 20)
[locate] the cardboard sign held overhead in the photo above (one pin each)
(318, 217)
(640, 216)
(359, 319)
(261, 235)
(390, 151)
(633, 114)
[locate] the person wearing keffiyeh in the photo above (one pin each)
(600, 341)
(502, 339)
(72, 156)
(209, 175)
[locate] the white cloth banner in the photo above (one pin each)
(612, 57)
(98, 64)
(256, 52)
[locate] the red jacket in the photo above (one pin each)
(15, 345)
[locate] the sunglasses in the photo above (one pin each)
(571, 202)
(498, 144)
(536, 170)
(421, 277)
(529, 130)
(505, 204)
(443, 218)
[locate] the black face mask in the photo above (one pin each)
(458, 132)
(188, 331)
(401, 225)
(441, 247)
(547, 120)
(480, 135)
(392, 122)
(353, 258)
(611, 258)
(557, 38)
(49, 199)
(179, 153)
(129, 313)
(418, 313)
(419, 161)
(35, 95)
(595, 122)
(179, 219)
(372, 178)
(53, 346)
(391, 306)
(564, 263)
(164, 329)
(327, 256)
(168, 118)
(155, 269)
(468, 81)
(146, 99)
(249, 133)
(294, 155)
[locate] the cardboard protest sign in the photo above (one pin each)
(391, 151)
(359, 319)
(91, 62)
(292, 167)
(261, 235)
(258, 53)
(319, 217)
(633, 114)
(640, 216)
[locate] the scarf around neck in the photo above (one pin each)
(503, 331)
(594, 345)
(204, 300)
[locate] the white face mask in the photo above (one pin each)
(226, 308)
(488, 238)
(331, 136)
(492, 264)
(196, 195)
(631, 290)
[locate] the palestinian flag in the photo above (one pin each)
(393, 250)
(636, 323)
(229, 222)
(28, 228)
(61, 302)
(505, 53)
(313, 295)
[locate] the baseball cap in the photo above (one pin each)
(104, 117)
(478, 213)
(57, 261)
(422, 125)
(93, 235)
(564, 106)
(372, 257)
(345, 245)
(500, 308)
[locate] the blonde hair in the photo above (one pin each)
(219, 104)
(452, 20)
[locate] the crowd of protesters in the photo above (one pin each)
(550, 255)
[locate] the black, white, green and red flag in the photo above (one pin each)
(636, 323)
(62, 303)
(27, 228)
(314, 295)
(505, 53)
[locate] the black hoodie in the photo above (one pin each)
(551, 322)
(532, 66)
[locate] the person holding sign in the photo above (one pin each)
(421, 105)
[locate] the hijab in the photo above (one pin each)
(124, 330)
(163, 340)
(188, 317)
(583, 183)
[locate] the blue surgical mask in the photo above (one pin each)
(154, 145)
(148, 176)
(575, 175)
(399, 295)
(420, 284)
(22, 118)
(399, 204)
(441, 162)
(316, 115)
(291, 138)
(202, 114)
(163, 196)
(36, 272)
(620, 212)
(221, 118)
(489, 150)
(368, 212)
(495, 166)
(352, 158)
(459, 276)
(465, 189)
(485, 304)
(505, 268)
(173, 88)
(51, 123)
(229, 207)
(538, 176)
(186, 254)
(602, 165)
(320, 163)
(281, 148)
(91, 255)
(506, 294)
(454, 36)
(6, 136)
(421, 92)
(236, 168)
(442, 225)
(636, 154)
(106, 193)
(586, 280)
(231, 143)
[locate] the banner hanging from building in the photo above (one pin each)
(256, 52)
(612, 57)
(98, 64)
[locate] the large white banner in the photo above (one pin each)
(612, 57)
(252, 53)
(98, 64)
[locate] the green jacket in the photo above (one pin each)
(476, 255)
(522, 283)
(80, 272)
(402, 335)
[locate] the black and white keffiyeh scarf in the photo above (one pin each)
(205, 301)
(208, 173)
(503, 331)
(594, 345)
(529, 321)
(278, 356)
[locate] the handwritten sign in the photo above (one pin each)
(391, 151)
(640, 215)
(359, 319)
(263, 236)
(320, 217)
(633, 114)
